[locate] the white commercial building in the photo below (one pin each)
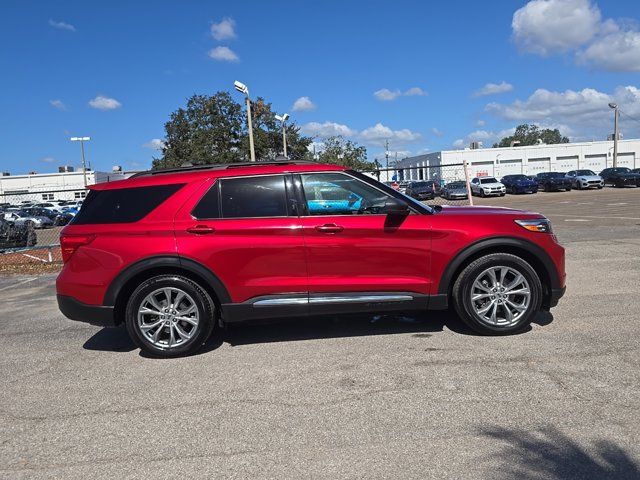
(529, 160)
(64, 185)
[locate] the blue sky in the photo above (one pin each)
(445, 73)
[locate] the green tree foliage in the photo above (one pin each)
(212, 129)
(529, 134)
(337, 150)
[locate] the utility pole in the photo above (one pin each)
(242, 88)
(84, 164)
(615, 133)
(386, 154)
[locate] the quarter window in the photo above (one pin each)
(338, 194)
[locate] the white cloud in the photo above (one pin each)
(225, 30)
(326, 129)
(415, 91)
(154, 144)
(223, 54)
(379, 133)
(436, 132)
(486, 137)
(616, 50)
(59, 104)
(586, 112)
(493, 89)
(545, 27)
(303, 104)
(387, 95)
(48, 159)
(104, 103)
(62, 25)
(481, 123)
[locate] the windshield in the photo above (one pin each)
(488, 180)
(551, 175)
(456, 185)
(518, 177)
(584, 172)
(419, 184)
(622, 170)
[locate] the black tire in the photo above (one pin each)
(204, 304)
(462, 288)
(600, 187)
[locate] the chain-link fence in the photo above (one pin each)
(30, 224)
(434, 185)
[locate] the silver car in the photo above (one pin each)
(585, 179)
(22, 218)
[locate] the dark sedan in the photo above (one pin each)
(519, 184)
(620, 177)
(420, 190)
(553, 181)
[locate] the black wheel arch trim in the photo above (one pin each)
(160, 261)
(447, 278)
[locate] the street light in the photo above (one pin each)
(283, 119)
(84, 165)
(242, 88)
(615, 133)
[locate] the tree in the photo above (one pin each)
(208, 130)
(530, 134)
(337, 150)
(212, 129)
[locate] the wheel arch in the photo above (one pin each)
(528, 251)
(123, 285)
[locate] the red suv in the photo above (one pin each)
(173, 254)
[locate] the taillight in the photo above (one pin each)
(70, 243)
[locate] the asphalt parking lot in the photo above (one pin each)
(391, 397)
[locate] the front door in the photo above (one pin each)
(353, 247)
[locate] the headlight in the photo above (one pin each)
(541, 225)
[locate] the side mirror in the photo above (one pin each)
(394, 206)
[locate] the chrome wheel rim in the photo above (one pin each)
(500, 296)
(168, 317)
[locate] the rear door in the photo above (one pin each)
(247, 232)
(353, 246)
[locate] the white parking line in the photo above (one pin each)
(576, 220)
(617, 204)
(593, 216)
(18, 284)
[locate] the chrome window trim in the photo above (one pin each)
(331, 299)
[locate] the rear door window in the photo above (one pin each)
(122, 205)
(251, 197)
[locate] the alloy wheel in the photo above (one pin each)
(500, 296)
(168, 317)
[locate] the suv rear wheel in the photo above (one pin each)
(170, 315)
(497, 294)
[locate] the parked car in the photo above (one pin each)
(57, 218)
(519, 184)
(487, 186)
(455, 191)
(620, 177)
(200, 247)
(402, 187)
(635, 170)
(581, 179)
(22, 218)
(553, 181)
(421, 190)
(16, 236)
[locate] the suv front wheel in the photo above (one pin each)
(170, 316)
(499, 293)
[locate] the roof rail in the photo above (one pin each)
(220, 166)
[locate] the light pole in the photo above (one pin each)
(242, 88)
(283, 119)
(84, 165)
(615, 133)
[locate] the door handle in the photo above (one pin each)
(329, 228)
(201, 229)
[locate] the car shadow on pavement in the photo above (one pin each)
(548, 453)
(313, 328)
